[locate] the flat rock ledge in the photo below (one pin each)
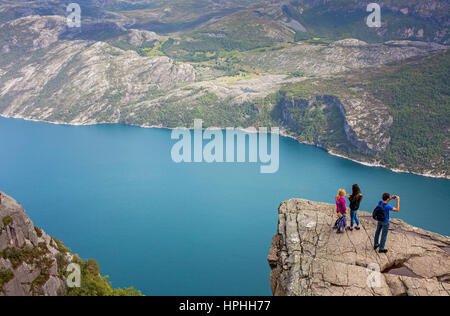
(308, 258)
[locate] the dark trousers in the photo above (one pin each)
(382, 228)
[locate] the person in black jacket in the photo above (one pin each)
(355, 200)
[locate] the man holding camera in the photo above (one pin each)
(383, 226)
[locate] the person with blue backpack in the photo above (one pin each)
(382, 215)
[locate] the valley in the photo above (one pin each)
(124, 129)
(239, 64)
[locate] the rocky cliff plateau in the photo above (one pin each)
(308, 258)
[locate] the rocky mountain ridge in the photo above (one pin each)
(308, 258)
(406, 19)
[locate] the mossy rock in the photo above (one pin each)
(7, 220)
(39, 232)
(5, 277)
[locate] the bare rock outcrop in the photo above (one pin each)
(308, 258)
(340, 56)
(50, 74)
(30, 260)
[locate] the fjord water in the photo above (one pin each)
(112, 193)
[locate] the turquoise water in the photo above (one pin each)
(112, 193)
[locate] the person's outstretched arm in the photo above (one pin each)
(397, 209)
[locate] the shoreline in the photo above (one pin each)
(282, 133)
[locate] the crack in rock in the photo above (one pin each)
(308, 258)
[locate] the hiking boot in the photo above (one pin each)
(358, 228)
(383, 251)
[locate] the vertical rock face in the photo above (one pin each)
(308, 258)
(30, 260)
(366, 127)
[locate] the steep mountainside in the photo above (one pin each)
(33, 263)
(82, 79)
(401, 19)
(239, 63)
(397, 115)
(308, 258)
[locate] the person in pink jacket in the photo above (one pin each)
(341, 210)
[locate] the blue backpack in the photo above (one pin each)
(379, 213)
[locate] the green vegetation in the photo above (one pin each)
(336, 23)
(40, 280)
(125, 46)
(93, 284)
(302, 36)
(419, 96)
(5, 277)
(311, 39)
(213, 44)
(417, 93)
(38, 231)
(221, 53)
(242, 43)
(217, 114)
(26, 254)
(335, 135)
(346, 19)
(153, 48)
(309, 121)
(297, 74)
(32, 256)
(6, 221)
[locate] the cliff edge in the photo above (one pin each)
(308, 258)
(31, 262)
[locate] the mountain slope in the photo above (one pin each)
(236, 63)
(75, 81)
(405, 19)
(397, 115)
(426, 20)
(33, 263)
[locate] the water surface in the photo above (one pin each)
(112, 192)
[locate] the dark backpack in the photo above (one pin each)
(380, 213)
